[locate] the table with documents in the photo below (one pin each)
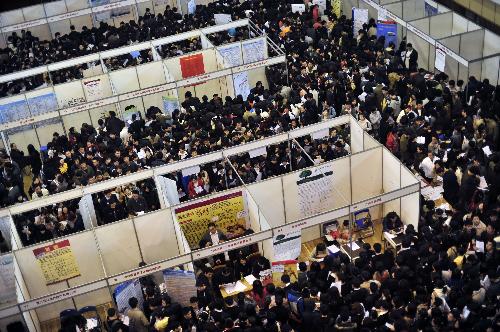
(241, 286)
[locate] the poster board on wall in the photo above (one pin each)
(315, 190)
(125, 291)
(14, 111)
(43, 104)
(7, 281)
(254, 50)
(287, 246)
(180, 285)
(360, 17)
(231, 55)
(57, 262)
(93, 89)
(222, 18)
(226, 210)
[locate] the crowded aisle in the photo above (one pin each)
(441, 274)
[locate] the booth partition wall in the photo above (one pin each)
(445, 41)
(103, 257)
(227, 70)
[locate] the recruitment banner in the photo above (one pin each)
(226, 211)
(389, 30)
(57, 262)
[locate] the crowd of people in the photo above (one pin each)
(25, 51)
(445, 276)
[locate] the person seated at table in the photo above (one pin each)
(242, 268)
(213, 236)
(392, 222)
(223, 276)
(319, 253)
(260, 264)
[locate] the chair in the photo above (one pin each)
(363, 223)
(68, 313)
(92, 314)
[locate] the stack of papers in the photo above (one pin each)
(92, 323)
(390, 235)
(333, 249)
(482, 183)
(354, 246)
(250, 279)
(236, 287)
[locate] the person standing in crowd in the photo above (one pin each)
(137, 320)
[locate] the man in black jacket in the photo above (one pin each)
(113, 124)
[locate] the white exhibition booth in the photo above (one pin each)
(444, 40)
(107, 256)
(226, 70)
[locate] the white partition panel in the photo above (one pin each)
(156, 235)
(269, 196)
(391, 179)
(253, 213)
(366, 174)
(12, 17)
(118, 235)
(490, 70)
(369, 142)
(311, 233)
(125, 80)
(356, 137)
(410, 209)
(491, 43)
(407, 177)
(95, 298)
(33, 12)
(459, 24)
(441, 25)
(52, 311)
(151, 74)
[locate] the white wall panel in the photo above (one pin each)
(118, 235)
(366, 174)
(156, 235)
(269, 196)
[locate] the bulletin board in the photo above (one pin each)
(194, 218)
(57, 262)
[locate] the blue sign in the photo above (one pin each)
(389, 30)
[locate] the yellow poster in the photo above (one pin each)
(225, 211)
(337, 7)
(280, 268)
(57, 262)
